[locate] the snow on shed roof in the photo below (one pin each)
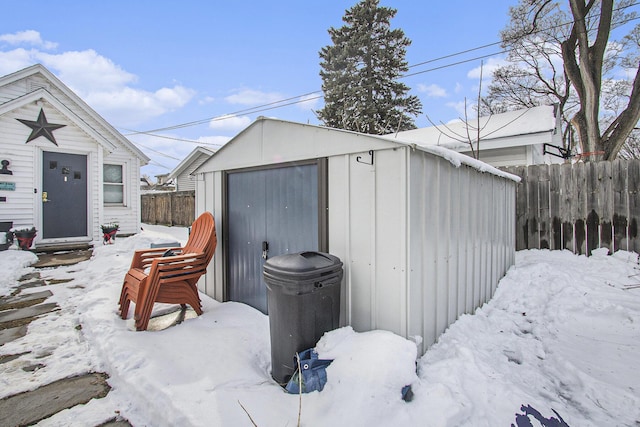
(357, 142)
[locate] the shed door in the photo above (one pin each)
(276, 206)
(64, 195)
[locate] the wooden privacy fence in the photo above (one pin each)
(171, 208)
(579, 207)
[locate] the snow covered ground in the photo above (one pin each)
(560, 340)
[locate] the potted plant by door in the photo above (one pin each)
(109, 232)
(6, 235)
(25, 237)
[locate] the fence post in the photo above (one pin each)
(579, 206)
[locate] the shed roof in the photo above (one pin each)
(305, 141)
(104, 136)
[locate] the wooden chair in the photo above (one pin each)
(155, 277)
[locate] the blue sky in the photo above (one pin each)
(147, 65)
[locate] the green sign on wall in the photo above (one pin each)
(8, 186)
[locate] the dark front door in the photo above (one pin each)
(64, 195)
(269, 212)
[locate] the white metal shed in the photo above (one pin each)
(425, 233)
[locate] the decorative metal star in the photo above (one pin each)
(41, 128)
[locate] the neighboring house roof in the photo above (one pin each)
(104, 134)
(508, 129)
(199, 153)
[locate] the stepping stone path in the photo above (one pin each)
(32, 406)
(17, 311)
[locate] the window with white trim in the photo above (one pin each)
(113, 186)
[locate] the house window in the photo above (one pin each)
(113, 184)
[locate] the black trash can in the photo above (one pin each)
(303, 297)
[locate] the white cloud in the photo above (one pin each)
(130, 107)
(29, 37)
(14, 60)
(104, 85)
(459, 107)
(229, 122)
(254, 97)
(458, 88)
(309, 102)
(214, 142)
(87, 71)
(488, 68)
(206, 100)
(433, 90)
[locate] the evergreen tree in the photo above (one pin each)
(360, 72)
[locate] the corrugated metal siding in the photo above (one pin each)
(209, 199)
(461, 242)
(367, 230)
(278, 206)
(390, 203)
(421, 240)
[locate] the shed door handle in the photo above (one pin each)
(265, 249)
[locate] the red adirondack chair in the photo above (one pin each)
(155, 277)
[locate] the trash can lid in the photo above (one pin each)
(302, 263)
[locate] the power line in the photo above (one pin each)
(158, 152)
(454, 64)
(192, 141)
(284, 102)
(251, 110)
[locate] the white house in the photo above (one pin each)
(424, 233)
(182, 173)
(68, 170)
(516, 138)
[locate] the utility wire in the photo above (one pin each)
(251, 110)
(283, 102)
(454, 64)
(192, 141)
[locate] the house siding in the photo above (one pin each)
(84, 133)
(507, 156)
(187, 182)
(124, 215)
(13, 90)
(26, 158)
(19, 205)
